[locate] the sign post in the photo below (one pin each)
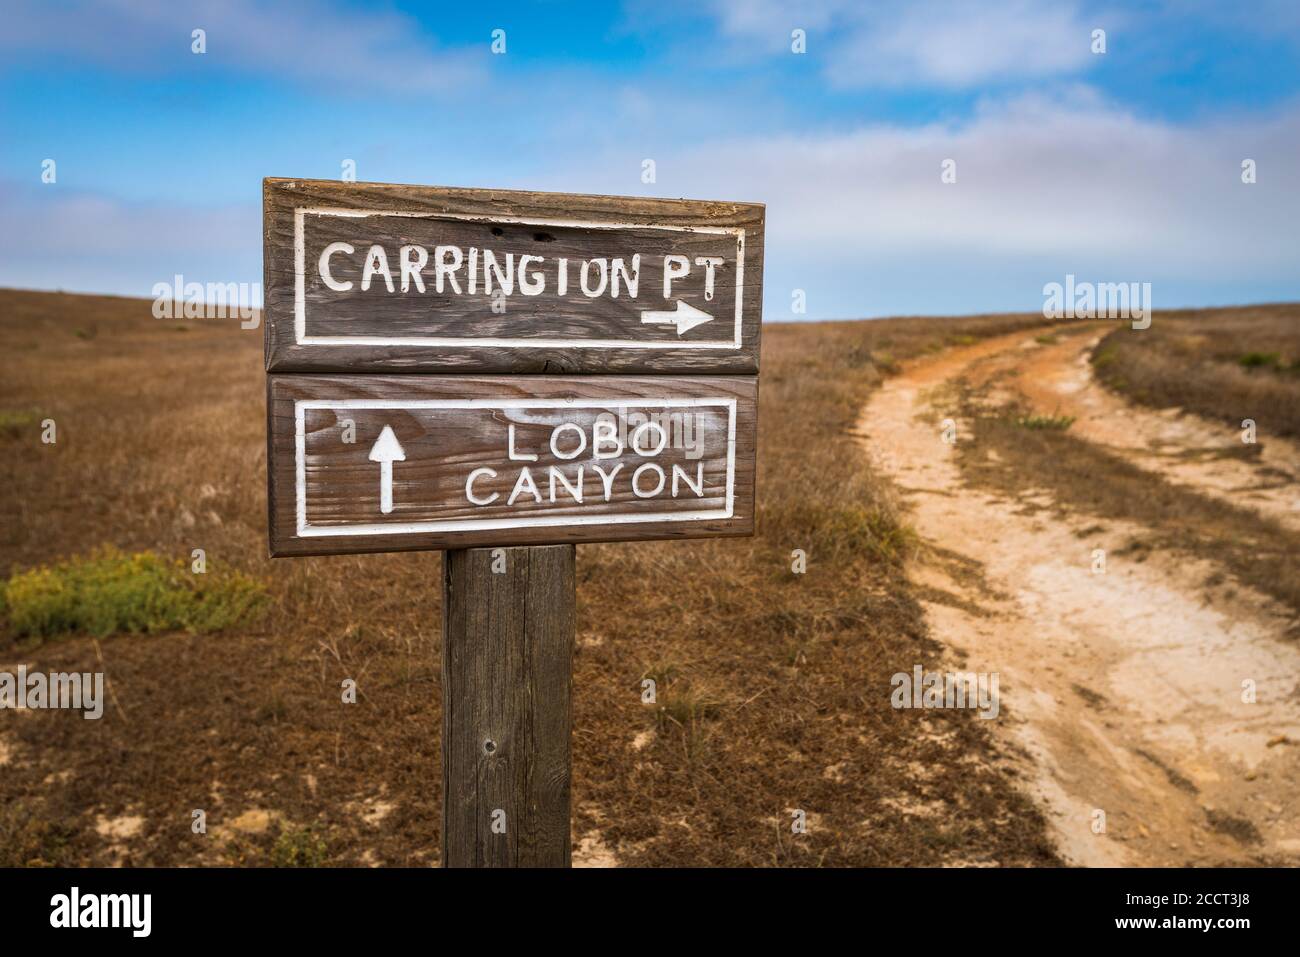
(502, 375)
(507, 647)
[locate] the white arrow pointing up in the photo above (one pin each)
(386, 451)
(685, 318)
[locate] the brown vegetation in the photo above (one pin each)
(773, 687)
(1227, 365)
(1013, 453)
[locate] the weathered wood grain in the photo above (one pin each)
(508, 627)
(547, 332)
(678, 452)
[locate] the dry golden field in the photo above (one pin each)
(774, 687)
(1225, 364)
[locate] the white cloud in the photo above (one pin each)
(860, 218)
(952, 44)
(67, 239)
(1044, 186)
(305, 40)
(1034, 175)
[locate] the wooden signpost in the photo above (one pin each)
(376, 278)
(503, 375)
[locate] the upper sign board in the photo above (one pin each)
(365, 277)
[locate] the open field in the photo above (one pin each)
(1122, 685)
(1225, 364)
(774, 687)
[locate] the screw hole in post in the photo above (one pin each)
(489, 746)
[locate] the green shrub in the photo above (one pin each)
(299, 847)
(1255, 360)
(14, 424)
(110, 592)
(688, 706)
(1104, 357)
(885, 362)
(840, 529)
(1055, 423)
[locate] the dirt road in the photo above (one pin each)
(1126, 689)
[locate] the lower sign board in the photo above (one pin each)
(392, 463)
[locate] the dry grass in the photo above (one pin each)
(1228, 365)
(1083, 478)
(774, 687)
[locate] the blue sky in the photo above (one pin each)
(1122, 166)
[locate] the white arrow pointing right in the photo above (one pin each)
(685, 318)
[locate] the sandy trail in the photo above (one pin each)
(1184, 449)
(1123, 689)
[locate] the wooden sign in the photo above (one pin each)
(382, 278)
(390, 463)
(365, 280)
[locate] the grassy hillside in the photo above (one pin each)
(1226, 364)
(774, 687)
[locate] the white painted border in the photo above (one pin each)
(301, 406)
(300, 298)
